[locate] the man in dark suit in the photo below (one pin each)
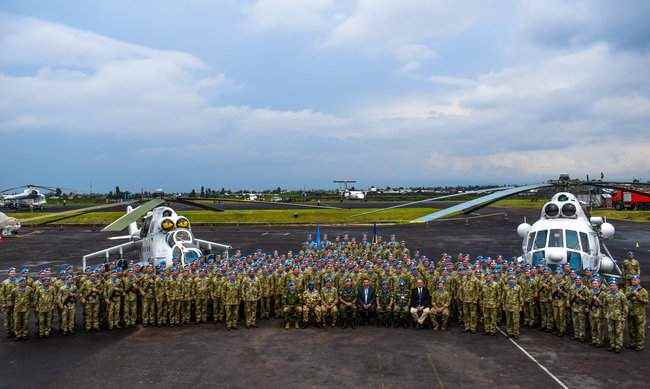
(420, 303)
(366, 301)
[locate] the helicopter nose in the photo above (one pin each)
(555, 255)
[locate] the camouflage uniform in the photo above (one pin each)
(292, 308)
(278, 286)
(22, 306)
(201, 294)
(402, 303)
(266, 293)
(560, 296)
(90, 299)
(596, 316)
(581, 297)
(250, 290)
(530, 296)
(440, 303)
(67, 298)
(470, 303)
(7, 297)
(216, 293)
(113, 295)
(131, 291)
(162, 304)
(148, 287)
(347, 306)
(384, 305)
(615, 312)
(44, 300)
(329, 297)
(231, 300)
(186, 298)
(174, 297)
(513, 304)
(311, 303)
(631, 267)
(490, 297)
(546, 302)
(637, 298)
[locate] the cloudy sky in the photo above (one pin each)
(256, 94)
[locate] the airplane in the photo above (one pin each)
(31, 196)
(8, 225)
(354, 194)
(564, 234)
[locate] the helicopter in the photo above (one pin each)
(8, 225)
(32, 196)
(564, 234)
(165, 237)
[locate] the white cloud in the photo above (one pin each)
(452, 81)
(292, 15)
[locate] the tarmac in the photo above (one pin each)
(269, 357)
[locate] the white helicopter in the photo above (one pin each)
(164, 238)
(30, 197)
(565, 235)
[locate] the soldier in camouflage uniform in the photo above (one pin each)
(530, 295)
(185, 283)
(174, 299)
(616, 312)
(23, 298)
(292, 307)
(231, 300)
(471, 290)
(631, 267)
(67, 299)
(384, 304)
(266, 293)
(513, 303)
(113, 295)
(347, 304)
(440, 304)
(131, 291)
(330, 298)
(250, 290)
(402, 303)
(278, 291)
(7, 297)
(580, 298)
(216, 292)
(560, 296)
(491, 303)
(201, 293)
(637, 297)
(148, 287)
(546, 287)
(596, 314)
(162, 303)
(44, 300)
(311, 303)
(90, 295)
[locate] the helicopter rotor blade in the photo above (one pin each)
(192, 203)
(277, 203)
(133, 216)
(58, 216)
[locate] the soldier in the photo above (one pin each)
(596, 314)
(148, 287)
(174, 298)
(581, 296)
(201, 293)
(470, 302)
(440, 304)
(7, 297)
(131, 292)
(185, 291)
(615, 312)
(292, 307)
(231, 300)
(330, 297)
(311, 303)
(513, 304)
(278, 291)
(631, 268)
(560, 296)
(384, 304)
(637, 297)
(250, 290)
(44, 299)
(216, 288)
(90, 299)
(23, 298)
(67, 299)
(530, 296)
(162, 304)
(347, 303)
(546, 300)
(266, 293)
(402, 303)
(113, 295)
(491, 303)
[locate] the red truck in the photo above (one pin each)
(622, 199)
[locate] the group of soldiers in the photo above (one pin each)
(345, 282)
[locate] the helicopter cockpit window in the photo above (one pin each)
(562, 198)
(540, 239)
(584, 239)
(182, 236)
(572, 240)
(167, 213)
(556, 239)
(531, 239)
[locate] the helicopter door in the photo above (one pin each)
(574, 258)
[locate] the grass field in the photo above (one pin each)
(265, 216)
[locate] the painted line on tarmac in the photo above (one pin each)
(553, 376)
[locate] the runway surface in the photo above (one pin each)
(208, 356)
